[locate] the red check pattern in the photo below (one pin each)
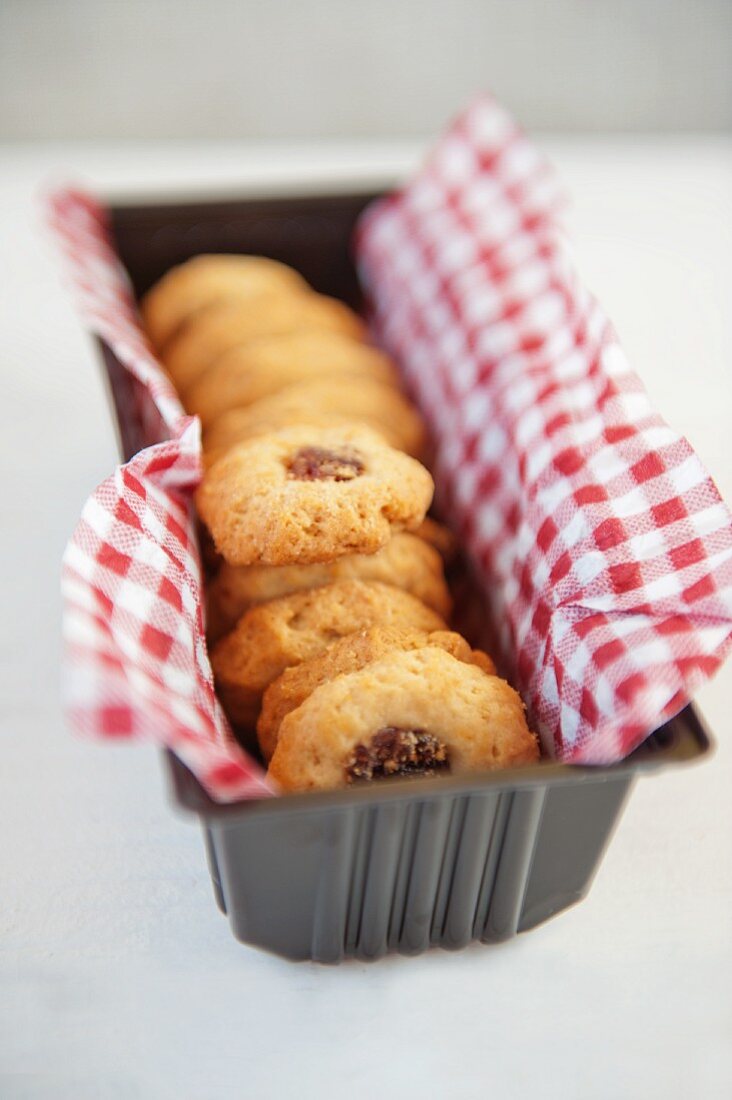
(106, 305)
(136, 662)
(602, 543)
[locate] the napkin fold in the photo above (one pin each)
(600, 539)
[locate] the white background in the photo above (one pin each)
(119, 977)
(294, 69)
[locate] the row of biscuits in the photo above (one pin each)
(327, 603)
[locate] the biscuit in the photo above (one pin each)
(351, 653)
(344, 400)
(204, 279)
(306, 495)
(439, 537)
(273, 636)
(405, 562)
(217, 328)
(264, 367)
(421, 712)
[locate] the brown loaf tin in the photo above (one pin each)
(410, 864)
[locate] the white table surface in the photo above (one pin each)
(119, 977)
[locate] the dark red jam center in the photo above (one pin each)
(318, 464)
(393, 751)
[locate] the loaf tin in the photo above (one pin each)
(409, 864)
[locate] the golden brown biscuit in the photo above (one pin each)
(438, 536)
(261, 368)
(344, 400)
(483, 661)
(221, 326)
(405, 562)
(273, 636)
(351, 653)
(306, 495)
(205, 279)
(413, 713)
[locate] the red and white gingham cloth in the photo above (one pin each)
(602, 542)
(136, 664)
(107, 307)
(136, 660)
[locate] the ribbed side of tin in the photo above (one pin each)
(408, 875)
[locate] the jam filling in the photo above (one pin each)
(318, 464)
(393, 751)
